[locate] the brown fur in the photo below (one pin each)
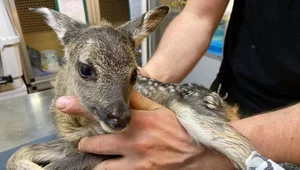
(232, 113)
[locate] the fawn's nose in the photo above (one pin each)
(118, 120)
(116, 116)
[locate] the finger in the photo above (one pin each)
(114, 164)
(139, 102)
(109, 144)
(72, 106)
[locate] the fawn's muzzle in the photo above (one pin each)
(116, 116)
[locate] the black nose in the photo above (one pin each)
(116, 115)
(118, 120)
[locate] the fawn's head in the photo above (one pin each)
(101, 60)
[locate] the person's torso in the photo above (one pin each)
(261, 65)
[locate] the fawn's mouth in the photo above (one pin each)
(113, 122)
(108, 129)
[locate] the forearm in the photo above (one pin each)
(175, 57)
(186, 40)
(276, 135)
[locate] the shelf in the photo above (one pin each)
(44, 40)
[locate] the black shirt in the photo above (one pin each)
(261, 64)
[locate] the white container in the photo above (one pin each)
(49, 61)
(9, 39)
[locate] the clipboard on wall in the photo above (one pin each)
(75, 9)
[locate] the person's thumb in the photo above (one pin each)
(72, 106)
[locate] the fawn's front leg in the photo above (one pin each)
(203, 114)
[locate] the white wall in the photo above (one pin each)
(205, 71)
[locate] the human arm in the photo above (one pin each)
(186, 40)
(276, 134)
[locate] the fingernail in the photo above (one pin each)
(62, 102)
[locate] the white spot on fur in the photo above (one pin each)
(162, 89)
(151, 88)
(171, 87)
(196, 94)
(172, 90)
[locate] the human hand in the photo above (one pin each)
(153, 140)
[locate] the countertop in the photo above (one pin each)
(25, 119)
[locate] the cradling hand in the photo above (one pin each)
(153, 140)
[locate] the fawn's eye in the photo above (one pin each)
(133, 76)
(85, 70)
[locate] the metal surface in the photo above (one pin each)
(25, 119)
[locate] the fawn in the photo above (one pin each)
(101, 70)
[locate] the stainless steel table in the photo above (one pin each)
(25, 119)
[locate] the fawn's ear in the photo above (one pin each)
(62, 25)
(144, 25)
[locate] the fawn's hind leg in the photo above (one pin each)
(35, 157)
(203, 114)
